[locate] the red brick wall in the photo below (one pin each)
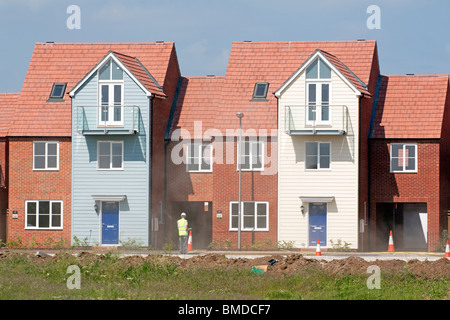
(445, 166)
(26, 184)
(222, 186)
(161, 112)
(365, 117)
(3, 189)
(423, 186)
(256, 186)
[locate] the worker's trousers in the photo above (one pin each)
(183, 244)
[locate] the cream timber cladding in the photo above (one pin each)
(337, 184)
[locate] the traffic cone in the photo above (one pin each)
(189, 247)
(318, 248)
(391, 243)
(447, 250)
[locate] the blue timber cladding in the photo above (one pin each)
(132, 181)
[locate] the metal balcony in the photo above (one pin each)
(316, 120)
(108, 120)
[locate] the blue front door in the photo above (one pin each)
(110, 222)
(317, 223)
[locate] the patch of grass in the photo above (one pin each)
(110, 277)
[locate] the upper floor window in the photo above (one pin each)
(45, 155)
(110, 71)
(318, 155)
(199, 158)
(110, 94)
(318, 76)
(403, 157)
(110, 155)
(318, 70)
(252, 156)
(260, 91)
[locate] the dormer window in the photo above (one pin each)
(318, 87)
(260, 91)
(318, 70)
(110, 71)
(110, 79)
(58, 91)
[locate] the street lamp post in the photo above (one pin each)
(240, 115)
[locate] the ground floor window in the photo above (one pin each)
(254, 215)
(44, 214)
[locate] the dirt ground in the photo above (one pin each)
(352, 265)
(293, 263)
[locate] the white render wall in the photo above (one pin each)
(341, 181)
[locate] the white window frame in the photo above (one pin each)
(110, 155)
(318, 120)
(110, 83)
(251, 155)
(110, 121)
(200, 157)
(404, 145)
(318, 82)
(231, 215)
(318, 155)
(46, 168)
(50, 215)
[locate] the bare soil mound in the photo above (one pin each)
(293, 263)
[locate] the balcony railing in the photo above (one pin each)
(316, 120)
(108, 120)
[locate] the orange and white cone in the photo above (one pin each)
(447, 250)
(318, 249)
(391, 243)
(189, 247)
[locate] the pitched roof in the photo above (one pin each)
(345, 71)
(410, 106)
(198, 101)
(275, 62)
(8, 104)
(133, 67)
(69, 63)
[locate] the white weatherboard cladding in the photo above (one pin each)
(132, 181)
(340, 181)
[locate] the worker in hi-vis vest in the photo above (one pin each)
(183, 233)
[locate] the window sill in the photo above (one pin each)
(44, 229)
(403, 172)
(249, 230)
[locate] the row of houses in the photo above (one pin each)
(107, 143)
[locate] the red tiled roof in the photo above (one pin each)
(272, 62)
(69, 63)
(275, 62)
(347, 73)
(140, 73)
(8, 104)
(198, 100)
(411, 106)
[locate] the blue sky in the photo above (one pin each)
(414, 36)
